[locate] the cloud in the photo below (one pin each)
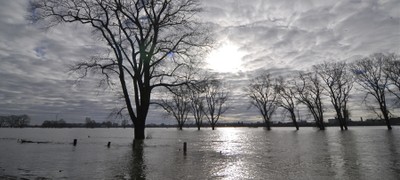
(34, 70)
(279, 36)
(285, 37)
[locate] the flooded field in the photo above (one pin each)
(226, 153)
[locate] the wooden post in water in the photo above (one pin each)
(184, 147)
(108, 144)
(75, 141)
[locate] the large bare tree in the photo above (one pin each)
(372, 79)
(309, 90)
(263, 94)
(338, 82)
(216, 97)
(287, 93)
(150, 42)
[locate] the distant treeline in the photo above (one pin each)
(15, 121)
(88, 124)
(368, 122)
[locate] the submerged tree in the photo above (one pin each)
(215, 97)
(309, 90)
(287, 93)
(151, 42)
(370, 76)
(197, 100)
(392, 71)
(338, 82)
(263, 94)
(177, 104)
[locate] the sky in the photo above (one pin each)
(253, 36)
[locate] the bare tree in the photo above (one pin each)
(309, 90)
(392, 71)
(370, 76)
(338, 82)
(197, 100)
(215, 97)
(150, 42)
(287, 100)
(178, 104)
(263, 94)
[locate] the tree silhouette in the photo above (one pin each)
(370, 76)
(177, 104)
(392, 71)
(197, 102)
(338, 82)
(263, 94)
(215, 97)
(150, 43)
(309, 90)
(287, 93)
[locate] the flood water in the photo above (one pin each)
(226, 153)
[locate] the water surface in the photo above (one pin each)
(226, 153)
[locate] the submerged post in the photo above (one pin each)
(75, 141)
(108, 144)
(184, 147)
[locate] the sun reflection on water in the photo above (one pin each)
(231, 144)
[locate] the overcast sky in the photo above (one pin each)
(281, 36)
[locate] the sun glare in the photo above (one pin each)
(226, 58)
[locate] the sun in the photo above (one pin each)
(226, 58)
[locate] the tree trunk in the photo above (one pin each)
(340, 124)
(388, 124)
(339, 117)
(345, 118)
(385, 113)
(198, 128)
(296, 125)
(268, 125)
(317, 124)
(293, 115)
(322, 127)
(213, 126)
(139, 131)
(386, 116)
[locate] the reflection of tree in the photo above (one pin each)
(393, 157)
(137, 165)
(350, 154)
